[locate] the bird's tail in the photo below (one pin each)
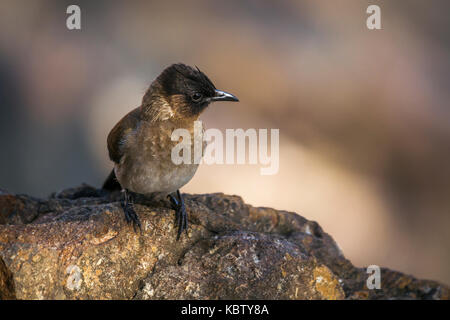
(111, 183)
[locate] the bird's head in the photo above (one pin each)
(181, 91)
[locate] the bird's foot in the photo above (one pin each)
(128, 209)
(181, 220)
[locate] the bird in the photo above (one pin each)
(140, 144)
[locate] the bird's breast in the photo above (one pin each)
(147, 166)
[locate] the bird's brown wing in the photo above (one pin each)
(118, 133)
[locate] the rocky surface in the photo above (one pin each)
(77, 245)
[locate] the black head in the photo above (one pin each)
(189, 90)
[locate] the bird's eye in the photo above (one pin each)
(196, 97)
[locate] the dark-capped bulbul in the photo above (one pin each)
(140, 144)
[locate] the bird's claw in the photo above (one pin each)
(181, 220)
(131, 216)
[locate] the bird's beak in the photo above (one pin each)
(224, 96)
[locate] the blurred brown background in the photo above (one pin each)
(363, 115)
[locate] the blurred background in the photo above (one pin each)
(363, 115)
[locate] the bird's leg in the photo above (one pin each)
(128, 209)
(181, 220)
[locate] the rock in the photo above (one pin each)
(77, 245)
